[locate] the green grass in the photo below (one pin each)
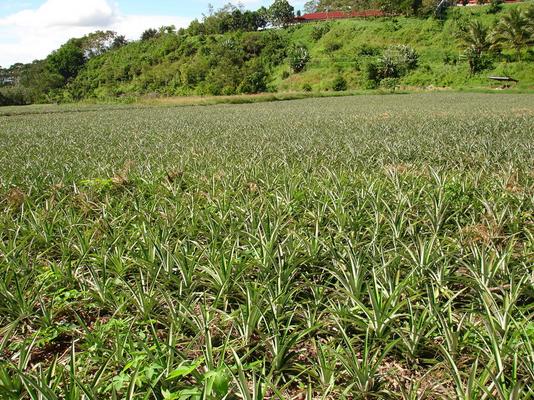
(434, 40)
(333, 248)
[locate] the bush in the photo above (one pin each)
(298, 58)
(372, 73)
(404, 57)
(449, 59)
(477, 61)
(149, 34)
(307, 87)
(339, 84)
(255, 80)
(14, 96)
(332, 46)
(3, 100)
(394, 63)
(366, 50)
(319, 31)
(388, 67)
(390, 84)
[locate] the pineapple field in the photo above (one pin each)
(332, 248)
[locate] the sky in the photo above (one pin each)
(31, 29)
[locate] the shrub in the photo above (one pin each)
(255, 81)
(394, 63)
(404, 57)
(477, 61)
(390, 84)
(332, 46)
(449, 59)
(339, 84)
(366, 50)
(298, 58)
(319, 31)
(388, 67)
(14, 96)
(372, 73)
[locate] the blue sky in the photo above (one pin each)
(193, 8)
(31, 29)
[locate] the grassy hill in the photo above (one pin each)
(174, 65)
(343, 51)
(323, 56)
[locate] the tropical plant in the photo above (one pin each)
(514, 30)
(476, 37)
(299, 57)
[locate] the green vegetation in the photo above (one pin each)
(229, 52)
(335, 248)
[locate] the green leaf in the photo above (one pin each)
(219, 381)
(184, 370)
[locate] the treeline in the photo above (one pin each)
(45, 80)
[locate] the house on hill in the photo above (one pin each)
(328, 15)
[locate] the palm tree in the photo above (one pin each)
(476, 37)
(515, 29)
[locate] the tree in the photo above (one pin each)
(97, 43)
(311, 6)
(476, 37)
(67, 60)
(475, 34)
(515, 30)
(281, 13)
(5, 77)
(167, 29)
(118, 42)
(149, 34)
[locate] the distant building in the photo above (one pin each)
(328, 15)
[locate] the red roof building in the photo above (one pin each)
(324, 16)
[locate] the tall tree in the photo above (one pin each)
(311, 6)
(67, 60)
(282, 13)
(97, 43)
(476, 37)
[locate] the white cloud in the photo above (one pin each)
(34, 33)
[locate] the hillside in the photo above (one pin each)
(350, 44)
(321, 56)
